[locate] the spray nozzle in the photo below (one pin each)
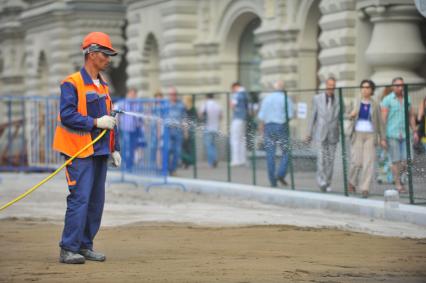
(115, 112)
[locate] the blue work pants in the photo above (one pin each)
(85, 202)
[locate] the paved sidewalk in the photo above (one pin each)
(304, 181)
(213, 204)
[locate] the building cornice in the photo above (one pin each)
(43, 14)
(137, 4)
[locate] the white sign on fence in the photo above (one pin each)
(302, 110)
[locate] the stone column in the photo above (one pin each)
(279, 56)
(207, 49)
(278, 38)
(208, 75)
(178, 60)
(60, 65)
(134, 56)
(337, 41)
(12, 45)
(396, 47)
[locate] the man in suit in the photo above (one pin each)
(324, 130)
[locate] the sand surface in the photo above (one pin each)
(166, 235)
(161, 252)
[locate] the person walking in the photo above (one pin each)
(85, 108)
(252, 121)
(421, 128)
(323, 128)
(211, 114)
(175, 128)
(368, 128)
(189, 131)
(384, 174)
(273, 124)
(393, 115)
(155, 143)
(239, 106)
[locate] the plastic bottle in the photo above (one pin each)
(391, 198)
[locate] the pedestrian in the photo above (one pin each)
(131, 128)
(367, 129)
(85, 108)
(393, 114)
(211, 114)
(421, 121)
(323, 128)
(156, 131)
(239, 106)
(384, 174)
(175, 125)
(273, 124)
(252, 123)
(189, 130)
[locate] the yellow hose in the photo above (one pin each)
(54, 173)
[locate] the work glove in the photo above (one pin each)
(106, 122)
(116, 159)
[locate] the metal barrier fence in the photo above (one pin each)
(26, 133)
(302, 156)
(27, 124)
(147, 137)
(27, 127)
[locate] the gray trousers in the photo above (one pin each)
(325, 162)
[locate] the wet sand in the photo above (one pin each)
(168, 252)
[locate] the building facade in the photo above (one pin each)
(203, 46)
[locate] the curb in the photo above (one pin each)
(376, 209)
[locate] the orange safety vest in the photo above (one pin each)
(69, 141)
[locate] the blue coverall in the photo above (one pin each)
(85, 176)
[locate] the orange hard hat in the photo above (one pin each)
(98, 41)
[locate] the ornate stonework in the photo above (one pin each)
(337, 40)
(45, 43)
(195, 44)
(405, 51)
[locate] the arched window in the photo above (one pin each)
(151, 62)
(309, 49)
(43, 71)
(249, 58)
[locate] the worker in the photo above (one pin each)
(85, 108)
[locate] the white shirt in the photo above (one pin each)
(97, 82)
(364, 126)
(214, 114)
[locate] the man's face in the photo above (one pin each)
(100, 60)
(398, 87)
(330, 86)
